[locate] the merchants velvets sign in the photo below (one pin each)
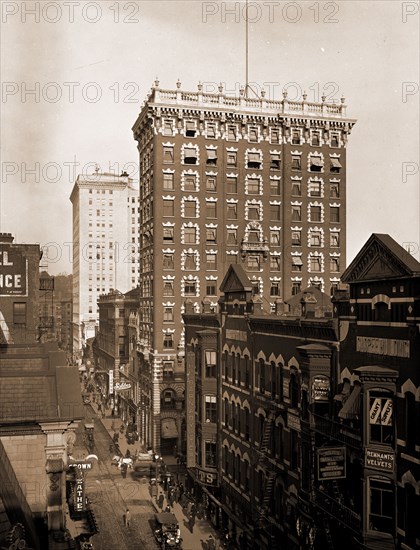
(13, 272)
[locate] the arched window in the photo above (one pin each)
(247, 424)
(293, 389)
(382, 313)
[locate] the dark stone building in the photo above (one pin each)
(314, 420)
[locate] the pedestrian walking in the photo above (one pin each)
(160, 500)
(127, 518)
(172, 498)
(168, 508)
(191, 523)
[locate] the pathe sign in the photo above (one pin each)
(13, 272)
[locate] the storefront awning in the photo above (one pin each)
(351, 408)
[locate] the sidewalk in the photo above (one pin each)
(197, 540)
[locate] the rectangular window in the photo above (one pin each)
(253, 135)
(211, 288)
(211, 261)
(190, 129)
(168, 207)
(190, 263)
(296, 163)
(168, 369)
(315, 264)
(381, 417)
(231, 158)
(232, 133)
(296, 213)
(232, 211)
(275, 238)
(253, 263)
(335, 166)
(168, 341)
(334, 265)
(211, 211)
(315, 213)
(275, 263)
(295, 137)
(168, 261)
(190, 209)
(296, 285)
(168, 234)
(190, 155)
(168, 155)
(275, 161)
(315, 142)
(275, 212)
(167, 128)
(190, 235)
(210, 454)
(254, 161)
(296, 188)
(168, 288)
(19, 313)
(253, 212)
(190, 288)
(211, 184)
(211, 233)
(253, 186)
(210, 408)
(275, 188)
(382, 508)
(211, 157)
(334, 240)
(274, 136)
(297, 263)
(334, 214)
(232, 184)
(168, 314)
(210, 359)
(315, 239)
(211, 130)
(334, 140)
(315, 163)
(314, 188)
(190, 182)
(334, 190)
(232, 237)
(275, 289)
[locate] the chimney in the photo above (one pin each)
(6, 238)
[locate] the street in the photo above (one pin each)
(110, 495)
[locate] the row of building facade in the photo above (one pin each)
(303, 431)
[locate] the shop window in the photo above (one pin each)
(381, 506)
(381, 417)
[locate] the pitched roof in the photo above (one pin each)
(381, 258)
(322, 299)
(37, 385)
(235, 279)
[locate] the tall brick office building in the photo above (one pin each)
(252, 181)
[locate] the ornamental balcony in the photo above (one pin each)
(259, 247)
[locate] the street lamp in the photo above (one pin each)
(157, 457)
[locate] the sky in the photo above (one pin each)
(75, 74)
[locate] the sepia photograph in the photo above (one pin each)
(209, 275)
